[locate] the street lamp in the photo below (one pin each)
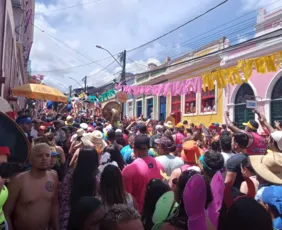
(76, 81)
(102, 48)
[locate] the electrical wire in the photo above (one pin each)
(94, 74)
(78, 66)
(222, 51)
(56, 39)
(177, 28)
(67, 7)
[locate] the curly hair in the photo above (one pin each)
(117, 214)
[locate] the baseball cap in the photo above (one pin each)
(179, 125)
(252, 124)
(191, 152)
(24, 120)
(277, 136)
(165, 142)
(142, 142)
(272, 197)
(54, 154)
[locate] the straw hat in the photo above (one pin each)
(168, 124)
(94, 139)
(268, 167)
(80, 132)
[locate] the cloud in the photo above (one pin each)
(249, 5)
(115, 25)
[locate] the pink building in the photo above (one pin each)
(16, 37)
(266, 88)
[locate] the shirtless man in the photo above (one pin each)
(33, 196)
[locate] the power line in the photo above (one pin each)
(67, 7)
(222, 25)
(102, 69)
(251, 41)
(56, 39)
(177, 28)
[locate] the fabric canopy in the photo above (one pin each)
(38, 91)
(4, 106)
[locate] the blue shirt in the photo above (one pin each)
(124, 150)
(127, 155)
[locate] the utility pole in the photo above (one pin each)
(123, 66)
(70, 88)
(85, 83)
(123, 73)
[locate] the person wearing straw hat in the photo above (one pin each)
(268, 169)
(257, 144)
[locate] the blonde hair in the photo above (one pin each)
(39, 146)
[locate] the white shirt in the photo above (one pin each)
(226, 156)
(34, 133)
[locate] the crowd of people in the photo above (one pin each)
(86, 173)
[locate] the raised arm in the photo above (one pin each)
(230, 125)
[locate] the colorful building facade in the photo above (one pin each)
(209, 106)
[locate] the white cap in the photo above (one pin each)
(277, 136)
(118, 131)
(83, 126)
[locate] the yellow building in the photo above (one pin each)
(203, 107)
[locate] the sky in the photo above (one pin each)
(65, 37)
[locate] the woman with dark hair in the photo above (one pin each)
(179, 218)
(120, 139)
(111, 190)
(78, 182)
(87, 214)
(114, 155)
(155, 189)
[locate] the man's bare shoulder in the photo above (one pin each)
(21, 176)
(52, 174)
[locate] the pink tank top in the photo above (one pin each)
(179, 141)
(258, 147)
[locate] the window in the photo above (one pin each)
(139, 108)
(190, 103)
(208, 101)
(175, 103)
(242, 114)
(129, 108)
(162, 108)
(150, 104)
(276, 102)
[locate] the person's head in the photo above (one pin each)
(271, 200)
(211, 162)
(185, 122)
(240, 142)
(25, 123)
(226, 143)
(141, 145)
(111, 187)
(40, 157)
(113, 150)
(207, 104)
(245, 214)
(84, 175)
(155, 189)
(121, 217)
(160, 129)
(275, 143)
(54, 158)
(251, 126)
(165, 146)
(142, 129)
(180, 127)
(111, 135)
(37, 123)
(120, 139)
(246, 168)
(41, 130)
